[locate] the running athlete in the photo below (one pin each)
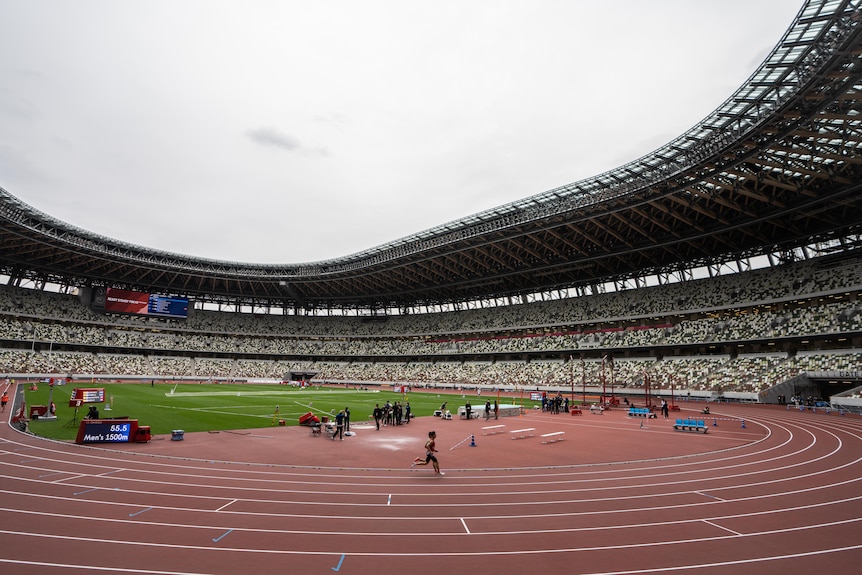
(430, 450)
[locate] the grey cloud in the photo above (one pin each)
(271, 137)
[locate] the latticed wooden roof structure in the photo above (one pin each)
(777, 166)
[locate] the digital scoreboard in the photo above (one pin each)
(107, 431)
(142, 303)
(89, 394)
(168, 306)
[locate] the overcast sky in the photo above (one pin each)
(296, 131)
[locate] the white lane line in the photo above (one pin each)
(94, 568)
(494, 552)
(720, 527)
(464, 523)
(231, 502)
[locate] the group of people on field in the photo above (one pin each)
(557, 404)
(392, 414)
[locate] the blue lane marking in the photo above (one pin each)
(338, 568)
(222, 536)
(139, 512)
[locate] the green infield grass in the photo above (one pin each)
(214, 407)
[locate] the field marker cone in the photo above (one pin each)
(472, 441)
(743, 424)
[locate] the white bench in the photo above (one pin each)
(492, 429)
(553, 437)
(522, 433)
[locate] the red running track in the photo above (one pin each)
(619, 495)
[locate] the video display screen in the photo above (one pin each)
(125, 301)
(104, 431)
(140, 303)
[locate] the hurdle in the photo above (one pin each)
(553, 437)
(522, 433)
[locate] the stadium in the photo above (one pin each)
(724, 269)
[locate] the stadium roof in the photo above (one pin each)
(775, 167)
